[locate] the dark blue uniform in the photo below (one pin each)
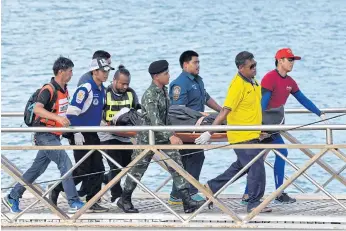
(188, 90)
(86, 109)
(87, 105)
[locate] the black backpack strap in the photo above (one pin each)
(50, 106)
(52, 102)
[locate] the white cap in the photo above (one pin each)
(100, 63)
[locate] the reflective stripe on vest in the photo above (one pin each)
(114, 106)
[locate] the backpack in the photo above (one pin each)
(29, 115)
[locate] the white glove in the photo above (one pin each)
(121, 112)
(323, 117)
(78, 138)
(203, 139)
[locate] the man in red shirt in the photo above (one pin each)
(276, 88)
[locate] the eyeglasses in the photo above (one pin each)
(291, 60)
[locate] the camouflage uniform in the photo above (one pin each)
(155, 104)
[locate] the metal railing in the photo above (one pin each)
(158, 150)
(287, 111)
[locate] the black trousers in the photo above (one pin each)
(123, 157)
(92, 183)
(193, 160)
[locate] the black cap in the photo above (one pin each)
(158, 67)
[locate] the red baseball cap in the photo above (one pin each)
(286, 53)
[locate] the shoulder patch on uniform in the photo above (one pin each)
(80, 96)
(176, 92)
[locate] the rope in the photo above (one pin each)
(188, 154)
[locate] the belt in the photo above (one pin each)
(253, 141)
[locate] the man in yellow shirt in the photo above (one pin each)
(242, 107)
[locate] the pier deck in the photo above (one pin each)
(310, 212)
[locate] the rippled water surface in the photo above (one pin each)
(35, 33)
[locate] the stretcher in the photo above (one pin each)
(186, 137)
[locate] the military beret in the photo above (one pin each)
(158, 67)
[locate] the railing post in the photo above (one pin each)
(151, 137)
(329, 135)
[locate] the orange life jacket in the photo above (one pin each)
(59, 107)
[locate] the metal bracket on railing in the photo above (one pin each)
(329, 136)
(151, 137)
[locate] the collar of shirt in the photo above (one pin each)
(252, 81)
(57, 86)
(156, 88)
(110, 88)
(192, 77)
(280, 74)
(94, 85)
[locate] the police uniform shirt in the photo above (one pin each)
(86, 105)
(188, 90)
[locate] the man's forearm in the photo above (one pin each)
(213, 105)
(220, 117)
(43, 113)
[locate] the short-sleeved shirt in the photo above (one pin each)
(244, 100)
(84, 78)
(59, 106)
(280, 87)
(45, 95)
(87, 105)
(188, 90)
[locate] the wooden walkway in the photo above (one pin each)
(310, 212)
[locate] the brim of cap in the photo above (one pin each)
(290, 57)
(105, 68)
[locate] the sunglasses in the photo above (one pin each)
(253, 66)
(291, 60)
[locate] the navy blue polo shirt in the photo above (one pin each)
(188, 90)
(87, 105)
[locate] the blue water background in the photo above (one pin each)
(35, 33)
